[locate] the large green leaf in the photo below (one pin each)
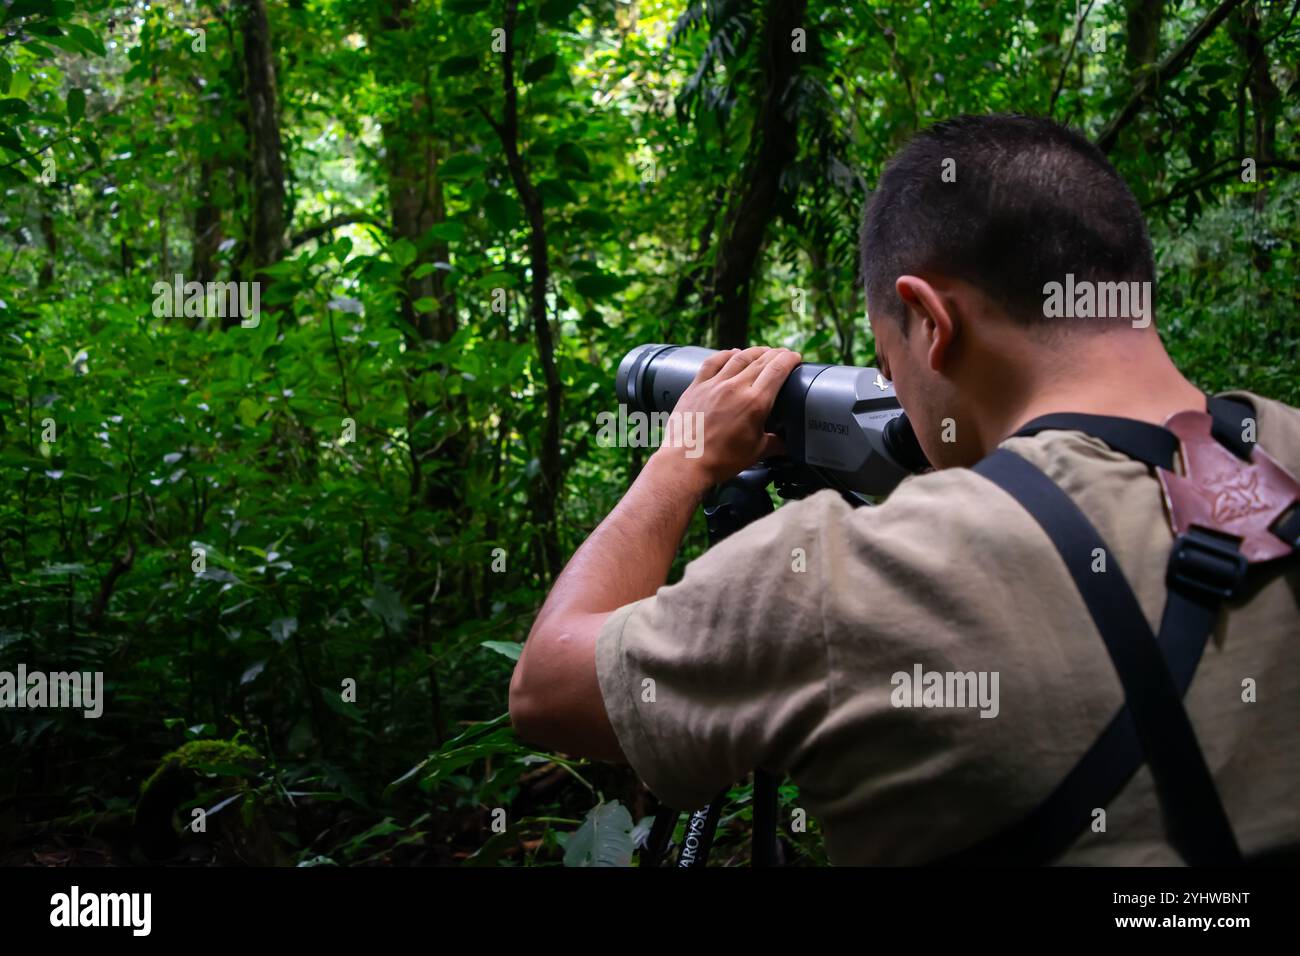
(458, 65)
(89, 40)
(76, 104)
(509, 649)
(502, 210)
(540, 67)
(573, 157)
(604, 839)
(558, 11)
(462, 166)
(600, 285)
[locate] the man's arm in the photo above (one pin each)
(555, 698)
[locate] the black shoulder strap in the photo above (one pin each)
(1152, 725)
(1149, 443)
(1230, 417)
(1143, 441)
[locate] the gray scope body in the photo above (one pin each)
(842, 421)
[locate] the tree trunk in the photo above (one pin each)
(547, 490)
(46, 278)
(207, 226)
(1142, 33)
(772, 149)
(1141, 52)
(1265, 97)
(415, 203)
(1265, 107)
(415, 199)
(266, 242)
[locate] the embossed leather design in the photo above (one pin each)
(1219, 492)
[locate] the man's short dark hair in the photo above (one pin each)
(1032, 201)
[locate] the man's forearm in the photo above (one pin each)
(555, 698)
(555, 694)
(629, 554)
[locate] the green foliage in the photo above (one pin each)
(604, 839)
(234, 523)
(206, 756)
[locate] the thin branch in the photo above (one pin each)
(329, 225)
(496, 128)
(120, 566)
(1219, 175)
(1165, 70)
(891, 41)
(539, 265)
(37, 152)
(1060, 79)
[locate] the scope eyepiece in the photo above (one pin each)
(902, 444)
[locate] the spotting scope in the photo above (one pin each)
(842, 423)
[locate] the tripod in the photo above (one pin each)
(729, 508)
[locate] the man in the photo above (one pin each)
(792, 645)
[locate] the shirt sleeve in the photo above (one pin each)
(726, 670)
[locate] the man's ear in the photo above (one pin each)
(938, 326)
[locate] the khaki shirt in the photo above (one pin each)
(779, 646)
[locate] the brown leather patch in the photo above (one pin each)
(1219, 492)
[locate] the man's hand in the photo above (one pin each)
(555, 698)
(731, 399)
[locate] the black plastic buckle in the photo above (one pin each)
(1288, 527)
(1206, 563)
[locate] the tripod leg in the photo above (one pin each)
(765, 800)
(700, 830)
(652, 854)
